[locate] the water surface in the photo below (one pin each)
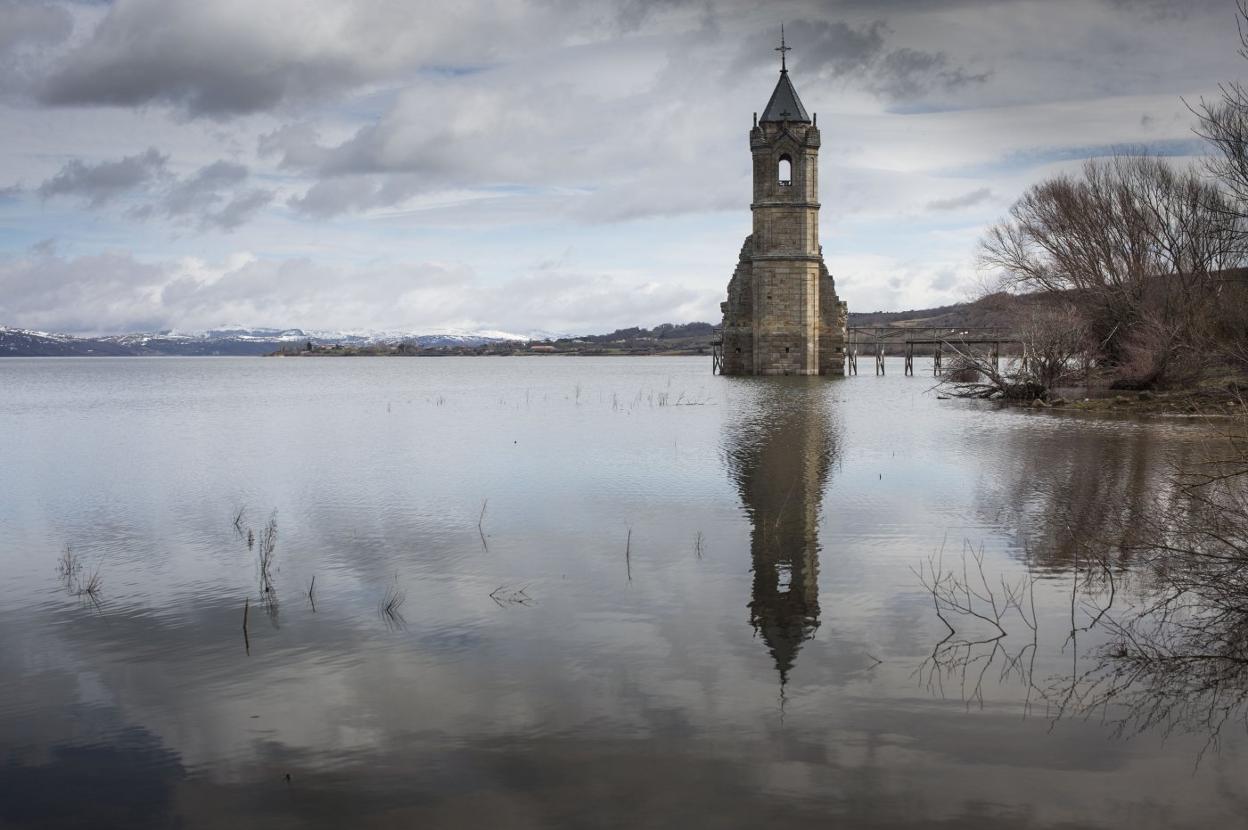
(630, 594)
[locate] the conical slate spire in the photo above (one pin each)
(784, 104)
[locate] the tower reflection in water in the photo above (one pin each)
(780, 446)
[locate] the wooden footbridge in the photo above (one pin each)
(881, 340)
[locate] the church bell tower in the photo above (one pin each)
(782, 316)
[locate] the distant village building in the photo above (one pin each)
(782, 316)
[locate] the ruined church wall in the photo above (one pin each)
(737, 334)
(833, 317)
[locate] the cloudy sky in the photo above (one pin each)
(526, 165)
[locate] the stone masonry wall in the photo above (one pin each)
(833, 318)
(782, 315)
(738, 328)
(785, 322)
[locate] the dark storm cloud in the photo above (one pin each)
(205, 58)
(864, 53)
(233, 57)
(228, 57)
(838, 47)
(906, 74)
(98, 183)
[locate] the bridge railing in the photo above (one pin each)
(879, 338)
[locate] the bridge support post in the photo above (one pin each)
(914, 338)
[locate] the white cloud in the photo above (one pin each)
(116, 292)
(356, 141)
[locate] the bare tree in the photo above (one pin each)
(1224, 124)
(1131, 240)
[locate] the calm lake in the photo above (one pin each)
(555, 592)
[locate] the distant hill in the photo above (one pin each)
(21, 343)
(993, 310)
(228, 341)
(668, 338)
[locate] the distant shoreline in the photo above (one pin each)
(331, 352)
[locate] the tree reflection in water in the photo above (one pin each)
(1180, 658)
(1159, 582)
(978, 615)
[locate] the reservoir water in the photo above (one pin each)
(558, 592)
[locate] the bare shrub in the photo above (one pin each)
(961, 372)
(1231, 322)
(973, 375)
(1056, 351)
(389, 608)
(91, 586)
(1056, 344)
(1155, 355)
(69, 565)
(268, 550)
(505, 595)
(70, 568)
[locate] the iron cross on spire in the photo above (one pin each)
(782, 49)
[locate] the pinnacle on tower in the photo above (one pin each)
(784, 104)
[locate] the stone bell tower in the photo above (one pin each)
(782, 316)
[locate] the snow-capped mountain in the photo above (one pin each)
(236, 340)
